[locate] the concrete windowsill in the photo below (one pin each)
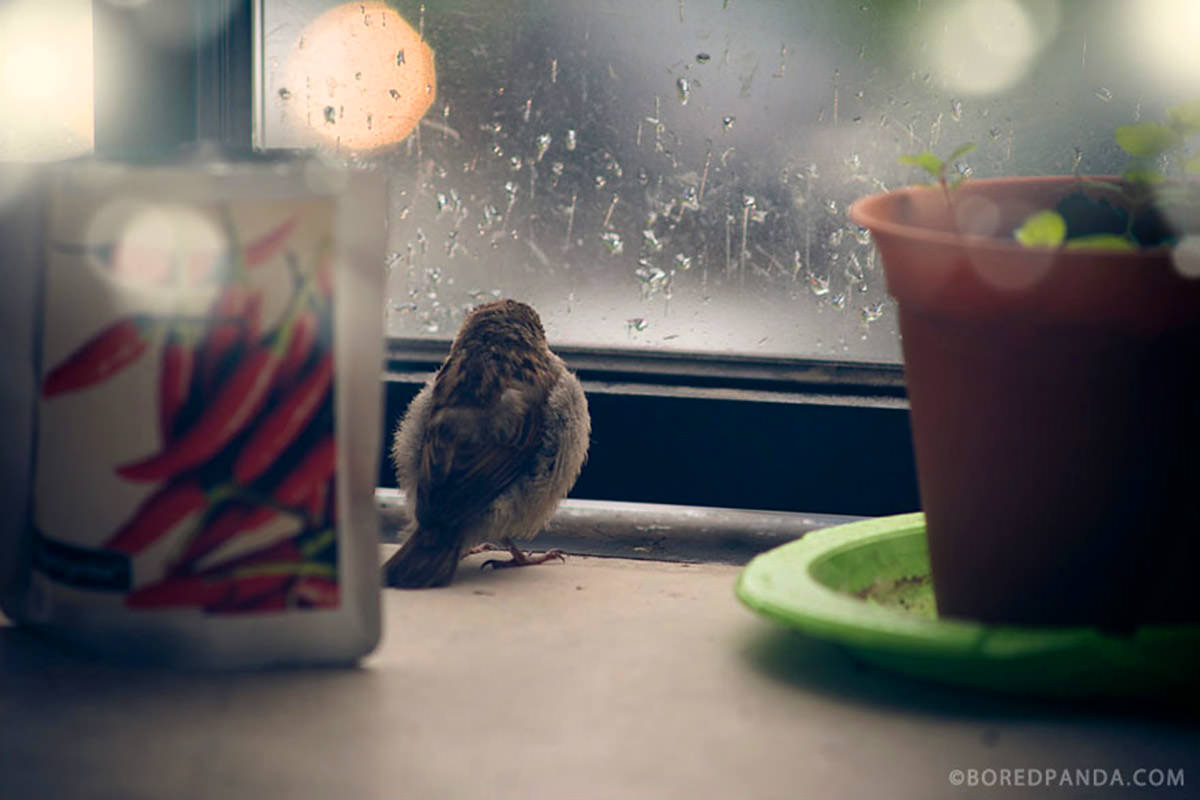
(600, 677)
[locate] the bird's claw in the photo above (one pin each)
(522, 559)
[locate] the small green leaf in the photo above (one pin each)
(1100, 241)
(1146, 139)
(961, 151)
(1185, 117)
(1043, 229)
(1145, 175)
(926, 161)
(1192, 165)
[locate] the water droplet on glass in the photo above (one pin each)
(543, 144)
(285, 94)
(831, 207)
(854, 162)
(511, 189)
(394, 94)
(818, 284)
(748, 201)
(515, 163)
(963, 169)
(994, 133)
(703, 58)
(330, 115)
(862, 235)
(637, 324)
(684, 87)
(491, 215)
(835, 237)
(1103, 94)
(854, 273)
(612, 241)
(727, 122)
(691, 198)
(442, 202)
(404, 308)
(400, 58)
(838, 301)
(651, 242)
(556, 169)
(682, 262)
(871, 313)
(956, 109)
(599, 181)
(571, 139)
(643, 177)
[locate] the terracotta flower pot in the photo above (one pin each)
(1055, 400)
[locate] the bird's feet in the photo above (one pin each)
(519, 557)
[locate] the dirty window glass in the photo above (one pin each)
(674, 174)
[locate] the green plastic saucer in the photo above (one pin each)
(866, 586)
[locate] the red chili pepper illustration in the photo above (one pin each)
(174, 381)
(181, 591)
(194, 590)
(229, 315)
(304, 336)
(102, 356)
(317, 502)
(157, 514)
(265, 248)
(333, 506)
(317, 466)
(281, 427)
(252, 321)
(280, 553)
(233, 406)
(316, 592)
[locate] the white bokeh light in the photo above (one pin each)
(1186, 257)
(46, 79)
(1166, 41)
(985, 46)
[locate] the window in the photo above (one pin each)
(674, 175)
(667, 183)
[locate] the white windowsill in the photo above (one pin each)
(600, 677)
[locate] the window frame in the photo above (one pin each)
(738, 430)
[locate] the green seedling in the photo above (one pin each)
(936, 167)
(1140, 199)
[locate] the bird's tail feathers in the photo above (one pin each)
(419, 563)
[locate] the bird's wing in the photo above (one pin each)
(470, 455)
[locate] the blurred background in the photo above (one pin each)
(663, 179)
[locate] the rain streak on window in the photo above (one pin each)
(676, 175)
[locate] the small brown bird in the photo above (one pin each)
(488, 447)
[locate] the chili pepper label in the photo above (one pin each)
(186, 443)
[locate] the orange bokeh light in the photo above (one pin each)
(359, 78)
